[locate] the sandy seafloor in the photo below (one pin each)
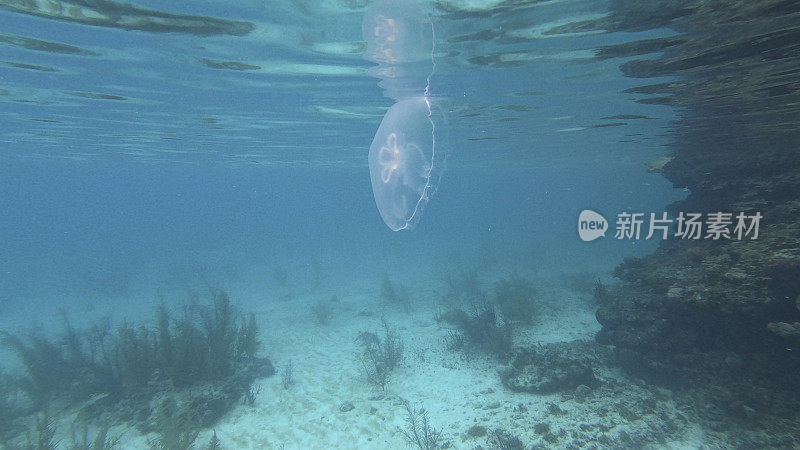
(457, 390)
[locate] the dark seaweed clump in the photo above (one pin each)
(482, 330)
(418, 432)
(463, 286)
(380, 356)
(11, 406)
(189, 370)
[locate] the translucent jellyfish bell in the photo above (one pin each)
(403, 162)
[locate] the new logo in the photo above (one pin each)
(591, 225)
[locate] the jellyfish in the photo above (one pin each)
(405, 158)
(404, 165)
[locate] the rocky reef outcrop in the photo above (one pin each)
(550, 369)
(718, 318)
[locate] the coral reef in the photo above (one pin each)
(696, 314)
(613, 410)
(549, 369)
